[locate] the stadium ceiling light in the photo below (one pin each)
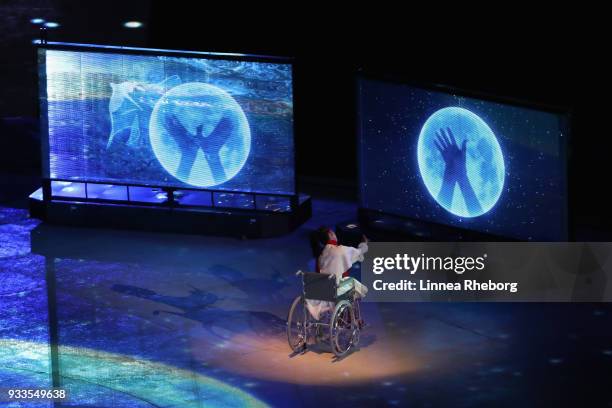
(37, 20)
(51, 24)
(132, 24)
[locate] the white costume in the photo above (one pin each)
(336, 260)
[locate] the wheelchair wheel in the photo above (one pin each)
(344, 330)
(296, 325)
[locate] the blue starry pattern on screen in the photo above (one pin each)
(523, 182)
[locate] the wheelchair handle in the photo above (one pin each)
(330, 276)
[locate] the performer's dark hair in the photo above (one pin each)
(318, 240)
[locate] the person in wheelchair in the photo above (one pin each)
(334, 259)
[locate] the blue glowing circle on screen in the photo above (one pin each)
(461, 162)
(200, 134)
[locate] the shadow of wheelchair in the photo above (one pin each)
(323, 347)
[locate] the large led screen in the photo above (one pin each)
(471, 163)
(164, 120)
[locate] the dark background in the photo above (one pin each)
(541, 57)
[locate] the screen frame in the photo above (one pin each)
(125, 50)
(565, 147)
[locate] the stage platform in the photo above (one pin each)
(158, 216)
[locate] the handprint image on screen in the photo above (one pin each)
(465, 172)
(470, 163)
(169, 121)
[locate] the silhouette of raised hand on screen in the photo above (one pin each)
(186, 143)
(189, 143)
(455, 171)
(211, 146)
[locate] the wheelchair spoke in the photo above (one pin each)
(344, 329)
(296, 325)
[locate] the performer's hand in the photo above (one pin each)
(365, 239)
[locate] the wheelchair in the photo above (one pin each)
(343, 328)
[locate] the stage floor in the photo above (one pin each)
(150, 319)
